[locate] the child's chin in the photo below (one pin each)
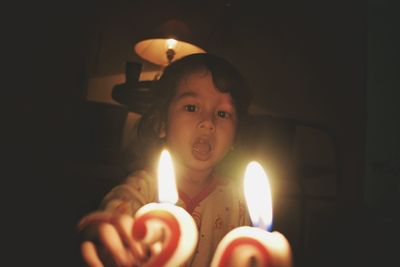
(201, 165)
(202, 156)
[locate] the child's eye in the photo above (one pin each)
(190, 108)
(223, 114)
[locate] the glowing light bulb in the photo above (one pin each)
(171, 43)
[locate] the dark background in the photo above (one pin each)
(330, 62)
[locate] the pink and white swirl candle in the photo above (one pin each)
(254, 246)
(168, 229)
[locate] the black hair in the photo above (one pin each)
(225, 76)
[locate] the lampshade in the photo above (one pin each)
(171, 41)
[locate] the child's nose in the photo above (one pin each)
(207, 123)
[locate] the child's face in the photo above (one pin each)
(201, 122)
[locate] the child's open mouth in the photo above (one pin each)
(202, 148)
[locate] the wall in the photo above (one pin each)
(383, 123)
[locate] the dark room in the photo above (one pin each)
(297, 96)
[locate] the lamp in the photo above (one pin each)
(134, 94)
(171, 41)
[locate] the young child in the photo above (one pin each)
(201, 103)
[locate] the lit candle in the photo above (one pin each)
(254, 246)
(168, 229)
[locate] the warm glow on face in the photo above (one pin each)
(171, 43)
(258, 195)
(167, 192)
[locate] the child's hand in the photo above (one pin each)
(109, 240)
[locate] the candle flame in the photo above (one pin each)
(167, 192)
(257, 192)
(171, 43)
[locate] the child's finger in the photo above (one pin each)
(95, 217)
(111, 240)
(124, 226)
(90, 255)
